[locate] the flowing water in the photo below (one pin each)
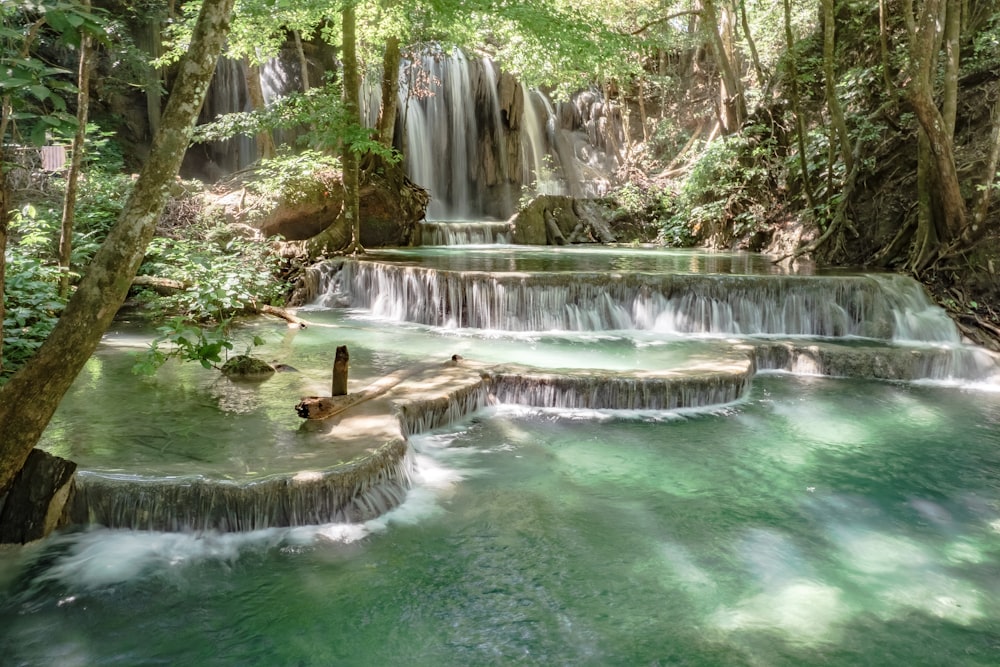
(814, 521)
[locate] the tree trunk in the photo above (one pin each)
(734, 106)
(920, 92)
(352, 106)
(390, 92)
(303, 61)
(341, 365)
(800, 123)
(265, 142)
(883, 39)
(29, 399)
(76, 161)
(755, 57)
(949, 96)
(981, 204)
(829, 75)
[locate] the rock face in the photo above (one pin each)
(391, 206)
(561, 220)
(34, 505)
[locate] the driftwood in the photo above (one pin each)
(324, 407)
(340, 368)
(162, 286)
(288, 316)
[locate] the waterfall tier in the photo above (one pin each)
(465, 233)
(886, 307)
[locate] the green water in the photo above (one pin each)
(185, 419)
(586, 259)
(820, 522)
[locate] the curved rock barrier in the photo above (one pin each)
(435, 394)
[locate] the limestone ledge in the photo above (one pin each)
(372, 431)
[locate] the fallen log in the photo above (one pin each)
(292, 319)
(162, 286)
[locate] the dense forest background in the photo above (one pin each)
(850, 133)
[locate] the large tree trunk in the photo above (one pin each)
(332, 239)
(390, 92)
(29, 399)
(352, 105)
(76, 162)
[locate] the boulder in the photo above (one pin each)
(561, 220)
(35, 502)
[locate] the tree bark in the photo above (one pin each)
(800, 123)
(29, 399)
(341, 365)
(303, 61)
(754, 56)
(76, 161)
(830, 77)
(734, 106)
(924, 38)
(390, 92)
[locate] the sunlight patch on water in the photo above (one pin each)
(806, 611)
(903, 575)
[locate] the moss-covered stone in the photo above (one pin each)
(246, 367)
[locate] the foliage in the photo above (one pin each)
(650, 204)
(33, 305)
(34, 91)
(985, 53)
(222, 276)
(292, 177)
(727, 188)
(320, 110)
(35, 229)
(179, 339)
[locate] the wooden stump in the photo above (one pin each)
(36, 498)
(340, 363)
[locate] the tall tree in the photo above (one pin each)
(925, 34)
(349, 156)
(830, 80)
(734, 109)
(76, 160)
(29, 399)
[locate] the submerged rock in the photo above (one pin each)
(246, 367)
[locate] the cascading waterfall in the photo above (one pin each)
(359, 492)
(606, 392)
(885, 307)
(466, 233)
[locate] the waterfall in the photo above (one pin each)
(475, 138)
(465, 233)
(353, 492)
(884, 307)
(938, 363)
(610, 392)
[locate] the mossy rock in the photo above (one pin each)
(245, 367)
